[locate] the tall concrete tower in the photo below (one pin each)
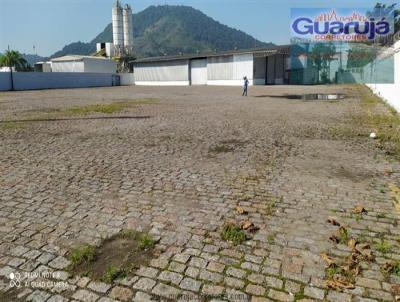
(118, 27)
(128, 29)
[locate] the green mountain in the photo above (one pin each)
(170, 30)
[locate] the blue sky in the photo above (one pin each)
(50, 24)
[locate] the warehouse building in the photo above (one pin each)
(267, 66)
(75, 63)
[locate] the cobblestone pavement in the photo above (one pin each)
(75, 181)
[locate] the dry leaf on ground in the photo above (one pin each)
(339, 282)
(352, 243)
(246, 225)
(241, 211)
(333, 221)
(327, 259)
(359, 210)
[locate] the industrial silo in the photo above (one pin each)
(118, 27)
(128, 29)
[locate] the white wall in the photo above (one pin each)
(390, 92)
(52, 80)
(198, 72)
(67, 66)
(100, 65)
(162, 73)
(243, 66)
(230, 70)
(127, 79)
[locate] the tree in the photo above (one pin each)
(13, 59)
(322, 54)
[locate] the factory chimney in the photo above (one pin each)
(118, 28)
(128, 29)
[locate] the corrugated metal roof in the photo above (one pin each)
(76, 58)
(282, 49)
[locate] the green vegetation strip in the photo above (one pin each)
(375, 116)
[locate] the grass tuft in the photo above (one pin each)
(233, 233)
(383, 247)
(112, 273)
(145, 242)
(82, 254)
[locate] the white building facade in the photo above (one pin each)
(83, 64)
(261, 67)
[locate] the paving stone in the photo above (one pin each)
(142, 297)
(234, 282)
(177, 267)
(121, 293)
(159, 263)
(85, 295)
(234, 272)
(166, 291)
(215, 267)
(59, 263)
(250, 266)
(99, 287)
(183, 258)
(192, 272)
(370, 283)
(57, 298)
(292, 287)
(274, 282)
(19, 251)
(83, 282)
(38, 296)
(235, 295)
(314, 292)
(231, 253)
(172, 277)
(255, 290)
(253, 258)
(209, 276)
(46, 258)
(336, 296)
(256, 278)
(147, 272)
(260, 299)
(32, 254)
(198, 262)
(212, 290)
(190, 284)
(280, 296)
(106, 299)
(144, 284)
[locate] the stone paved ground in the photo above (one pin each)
(69, 182)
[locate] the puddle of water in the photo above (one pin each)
(322, 97)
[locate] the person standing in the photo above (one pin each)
(245, 86)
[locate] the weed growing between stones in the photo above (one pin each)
(341, 273)
(233, 233)
(112, 273)
(82, 254)
(383, 247)
(116, 257)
